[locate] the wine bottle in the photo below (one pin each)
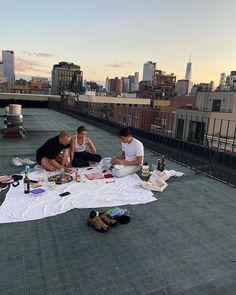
(26, 183)
(162, 168)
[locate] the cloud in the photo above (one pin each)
(38, 54)
(24, 65)
(114, 65)
(43, 54)
(27, 53)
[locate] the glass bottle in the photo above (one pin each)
(77, 176)
(145, 171)
(162, 163)
(26, 183)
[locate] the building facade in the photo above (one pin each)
(212, 124)
(66, 77)
(148, 71)
(2, 69)
(182, 87)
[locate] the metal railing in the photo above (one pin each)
(205, 144)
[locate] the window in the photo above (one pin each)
(216, 104)
(196, 132)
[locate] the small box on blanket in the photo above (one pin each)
(93, 176)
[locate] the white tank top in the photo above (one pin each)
(80, 147)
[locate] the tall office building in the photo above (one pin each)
(222, 79)
(107, 84)
(126, 84)
(188, 70)
(148, 71)
(66, 77)
(8, 59)
(136, 80)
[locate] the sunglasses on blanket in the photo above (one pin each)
(16, 178)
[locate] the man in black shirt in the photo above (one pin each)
(53, 154)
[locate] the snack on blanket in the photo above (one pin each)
(60, 178)
(35, 185)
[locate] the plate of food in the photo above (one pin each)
(60, 178)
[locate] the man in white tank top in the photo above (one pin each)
(79, 157)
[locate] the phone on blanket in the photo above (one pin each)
(64, 194)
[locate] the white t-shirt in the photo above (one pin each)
(132, 150)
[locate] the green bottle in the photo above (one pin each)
(26, 183)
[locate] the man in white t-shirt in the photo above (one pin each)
(131, 158)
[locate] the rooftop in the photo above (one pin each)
(184, 243)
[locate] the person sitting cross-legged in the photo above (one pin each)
(53, 154)
(131, 158)
(79, 157)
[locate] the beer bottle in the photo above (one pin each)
(159, 165)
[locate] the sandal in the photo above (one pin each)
(108, 220)
(97, 224)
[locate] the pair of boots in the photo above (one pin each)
(101, 221)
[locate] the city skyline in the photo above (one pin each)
(116, 40)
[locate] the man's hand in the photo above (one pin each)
(69, 170)
(118, 162)
(113, 161)
(121, 162)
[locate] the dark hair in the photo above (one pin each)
(81, 129)
(124, 132)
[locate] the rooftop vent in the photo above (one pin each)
(13, 122)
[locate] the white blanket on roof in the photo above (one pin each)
(86, 194)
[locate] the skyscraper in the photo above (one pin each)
(188, 70)
(8, 59)
(148, 71)
(136, 80)
(107, 84)
(222, 79)
(126, 84)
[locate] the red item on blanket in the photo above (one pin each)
(108, 175)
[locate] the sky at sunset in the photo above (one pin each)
(115, 38)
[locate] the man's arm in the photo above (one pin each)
(65, 158)
(137, 162)
(115, 160)
(72, 149)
